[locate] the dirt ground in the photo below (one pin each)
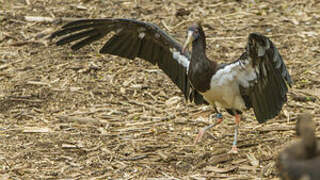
(82, 115)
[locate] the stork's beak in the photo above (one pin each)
(188, 42)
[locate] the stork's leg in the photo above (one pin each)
(203, 130)
(234, 148)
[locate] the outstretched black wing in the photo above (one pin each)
(133, 39)
(268, 92)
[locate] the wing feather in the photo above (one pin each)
(268, 93)
(86, 41)
(77, 36)
(133, 39)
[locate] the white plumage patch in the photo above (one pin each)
(224, 86)
(183, 60)
(141, 35)
(239, 72)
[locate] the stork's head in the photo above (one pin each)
(194, 33)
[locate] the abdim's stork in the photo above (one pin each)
(301, 160)
(258, 79)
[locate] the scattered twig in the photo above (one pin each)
(36, 130)
(38, 83)
(27, 100)
(220, 170)
(146, 106)
(27, 42)
(276, 128)
(49, 19)
(134, 158)
(81, 120)
(220, 159)
(166, 26)
(131, 129)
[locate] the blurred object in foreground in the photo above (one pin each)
(301, 160)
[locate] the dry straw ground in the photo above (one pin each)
(75, 115)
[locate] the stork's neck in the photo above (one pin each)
(201, 68)
(199, 49)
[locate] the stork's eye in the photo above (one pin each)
(195, 33)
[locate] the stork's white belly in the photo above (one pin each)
(224, 86)
(226, 95)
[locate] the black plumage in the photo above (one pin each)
(258, 79)
(132, 39)
(268, 95)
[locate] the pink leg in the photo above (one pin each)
(203, 130)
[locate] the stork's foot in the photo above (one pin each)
(199, 136)
(234, 150)
(203, 130)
